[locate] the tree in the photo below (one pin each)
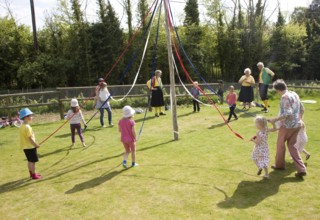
(106, 39)
(142, 11)
(127, 7)
(192, 13)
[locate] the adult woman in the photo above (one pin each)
(291, 111)
(155, 85)
(246, 92)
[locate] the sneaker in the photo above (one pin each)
(162, 113)
(104, 126)
(134, 164)
(308, 156)
(236, 119)
(36, 176)
(259, 172)
(156, 115)
(111, 124)
(124, 164)
(266, 111)
(277, 168)
(84, 144)
(266, 176)
(300, 174)
(227, 121)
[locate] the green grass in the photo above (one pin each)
(207, 174)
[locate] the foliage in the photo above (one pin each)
(74, 52)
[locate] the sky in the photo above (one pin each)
(21, 9)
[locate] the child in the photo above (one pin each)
(195, 93)
(28, 142)
(260, 154)
(103, 104)
(75, 117)
(302, 140)
(128, 135)
(231, 100)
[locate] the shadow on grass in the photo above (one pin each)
(147, 118)
(251, 193)
(96, 181)
(217, 125)
(7, 187)
(187, 114)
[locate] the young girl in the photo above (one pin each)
(302, 140)
(231, 100)
(103, 104)
(260, 154)
(128, 135)
(75, 116)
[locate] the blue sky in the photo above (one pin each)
(21, 9)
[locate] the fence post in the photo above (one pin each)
(61, 107)
(257, 92)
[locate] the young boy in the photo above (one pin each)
(28, 143)
(195, 93)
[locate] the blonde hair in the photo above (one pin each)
(262, 121)
(231, 87)
(195, 83)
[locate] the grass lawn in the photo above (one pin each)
(207, 174)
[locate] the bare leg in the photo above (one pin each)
(32, 167)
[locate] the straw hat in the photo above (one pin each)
(128, 111)
(74, 103)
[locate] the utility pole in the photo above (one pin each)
(172, 80)
(34, 27)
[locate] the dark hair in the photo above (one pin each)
(280, 85)
(75, 109)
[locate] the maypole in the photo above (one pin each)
(172, 80)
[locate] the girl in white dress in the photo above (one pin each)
(302, 140)
(260, 154)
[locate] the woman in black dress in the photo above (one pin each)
(155, 85)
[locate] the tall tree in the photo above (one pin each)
(193, 33)
(192, 13)
(142, 11)
(128, 9)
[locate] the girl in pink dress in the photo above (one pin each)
(260, 154)
(128, 135)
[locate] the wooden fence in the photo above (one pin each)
(60, 95)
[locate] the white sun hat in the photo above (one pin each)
(74, 103)
(128, 111)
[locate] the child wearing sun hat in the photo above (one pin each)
(28, 142)
(75, 117)
(128, 135)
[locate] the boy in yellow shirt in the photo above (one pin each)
(28, 142)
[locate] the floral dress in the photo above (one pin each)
(260, 154)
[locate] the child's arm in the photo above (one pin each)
(274, 128)
(134, 133)
(82, 118)
(33, 142)
(256, 139)
(119, 129)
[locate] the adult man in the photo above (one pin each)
(291, 111)
(265, 77)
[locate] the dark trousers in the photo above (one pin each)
(232, 108)
(73, 128)
(196, 105)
